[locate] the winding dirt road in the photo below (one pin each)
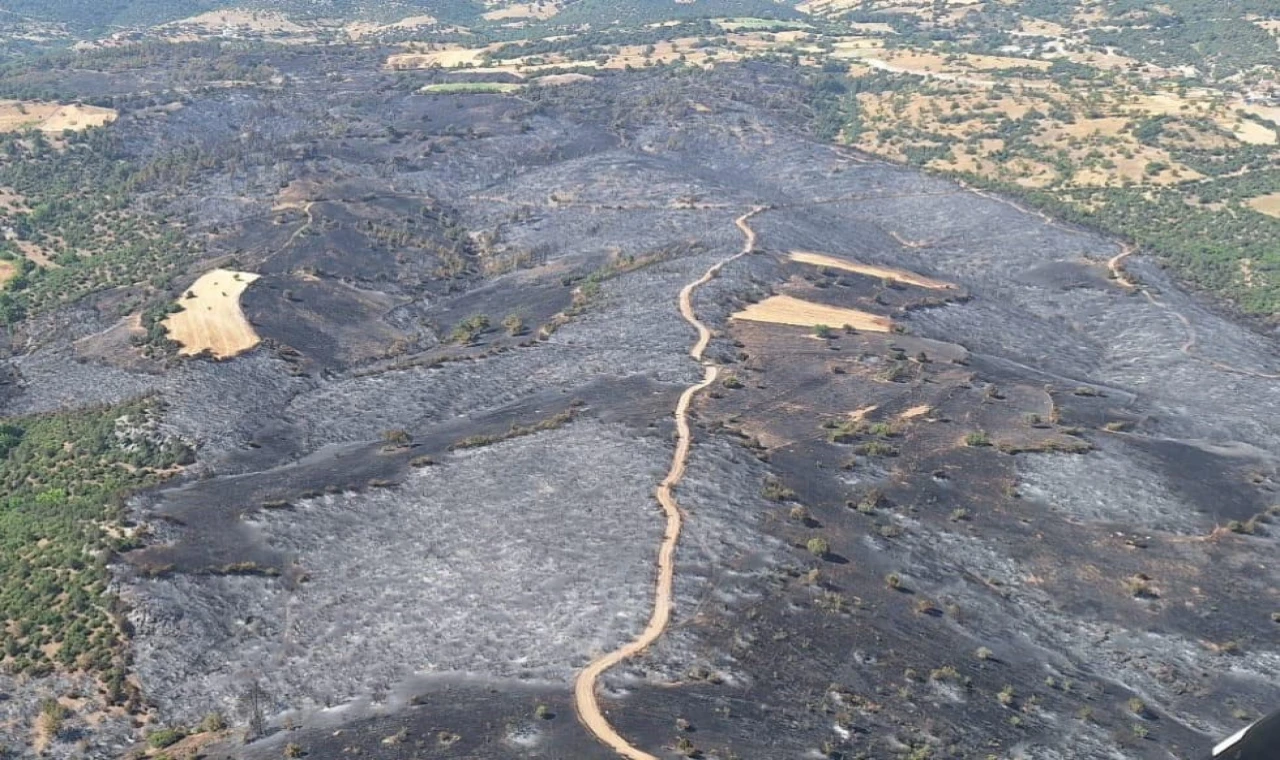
(1122, 276)
(584, 687)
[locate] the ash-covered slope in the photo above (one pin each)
(1017, 490)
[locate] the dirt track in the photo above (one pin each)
(1116, 266)
(584, 687)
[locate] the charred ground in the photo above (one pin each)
(999, 529)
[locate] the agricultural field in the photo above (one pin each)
(55, 118)
(211, 319)
(787, 310)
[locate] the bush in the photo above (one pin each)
(469, 329)
(977, 438)
(397, 437)
(52, 717)
(213, 722)
(1243, 528)
(164, 737)
(818, 547)
(822, 331)
(1140, 587)
(775, 491)
(876, 449)
(514, 325)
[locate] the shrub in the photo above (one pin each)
(984, 654)
(882, 429)
(164, 737)
(876, 449)
(1005, 696)
(775, 491)
(52, 717)
(822, 331)
(293, 750)
(893, 581)
(1140, 587)
(1243, 528)
(818, 547)
(397, 437)
(213, 722)
(977, 438)
(514, 325)
(468, 330)
(870, 501)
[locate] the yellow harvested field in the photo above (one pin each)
(447, 57)
(872, 27)
(1109, 60)
(1253, 133)
(897, 275)
(1270, 113)
(856, 47)
(358, 29)
(212, 320)
(554, 79)
(1267, 204)
(827, 6)
(932, 63)
(1041, 28)
(786, 310)
(1161, 104)
(18, 115)
(538, 10)
(257, 21)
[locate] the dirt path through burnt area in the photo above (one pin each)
(584, 688)
(1118, 273)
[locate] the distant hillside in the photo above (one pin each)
(89, 16)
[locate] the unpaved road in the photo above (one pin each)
(1116, 265)
(584, 688)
